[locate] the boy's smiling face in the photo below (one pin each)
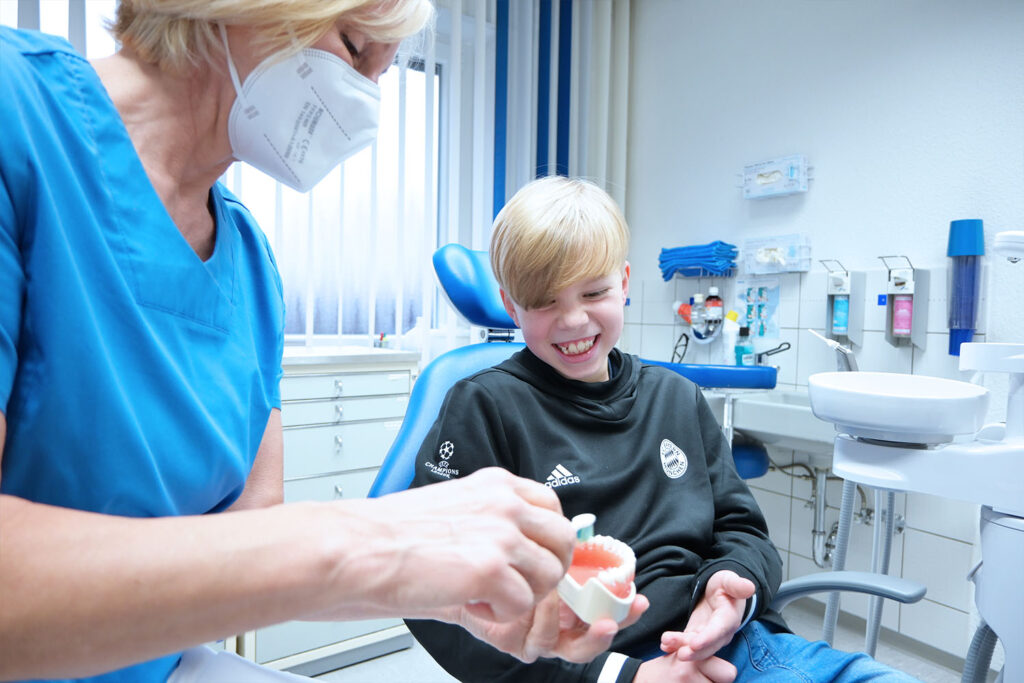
(577, 329)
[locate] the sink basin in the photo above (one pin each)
(897, 407)
(783, 419)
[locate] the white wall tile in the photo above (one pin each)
(634, 310)
(935, 624)
(800, 539)
(878, 355)
(657, 303)
(941, 564)
(775, 508)
(935, 360)
(656, 342)
(813, 356)
(629, 342)
(813, 299)
(789, 300)
(876, 283)
(775, 480)
(951, 518)
(938, 301)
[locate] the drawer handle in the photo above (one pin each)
(337, 443)
(338, 387)
(338, 491)
(339, 413)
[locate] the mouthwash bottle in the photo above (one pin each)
(744, 348)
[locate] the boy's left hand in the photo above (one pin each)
(714, 620)
(550, 630)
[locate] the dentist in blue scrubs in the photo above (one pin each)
(141, 332)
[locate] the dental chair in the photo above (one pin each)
(467, 281)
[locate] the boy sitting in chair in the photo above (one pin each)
(634, 444)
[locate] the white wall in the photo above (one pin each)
(912, 114)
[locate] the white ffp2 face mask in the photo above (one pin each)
(297, 118)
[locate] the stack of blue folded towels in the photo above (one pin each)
(715, 258)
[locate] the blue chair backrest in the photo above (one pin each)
(467, 281)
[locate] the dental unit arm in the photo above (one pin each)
(896, 432)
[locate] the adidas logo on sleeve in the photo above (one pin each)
(560, 476)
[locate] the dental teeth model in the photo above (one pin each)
(599, 583)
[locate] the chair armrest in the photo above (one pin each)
(892, 587)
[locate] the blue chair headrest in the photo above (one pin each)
(466, 279)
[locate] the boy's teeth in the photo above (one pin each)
(576, 347)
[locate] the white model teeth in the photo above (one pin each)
(575, 348)
(627, 561)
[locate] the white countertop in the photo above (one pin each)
(310, 355)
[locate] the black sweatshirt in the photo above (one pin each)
(641, 451)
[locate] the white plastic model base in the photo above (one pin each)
(594, 600)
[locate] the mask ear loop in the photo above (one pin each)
(231, 62)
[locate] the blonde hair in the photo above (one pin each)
(177, 34)
(553, 233)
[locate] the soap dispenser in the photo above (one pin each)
(906, 303)
(844, 303)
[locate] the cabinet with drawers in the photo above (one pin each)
(340, 409)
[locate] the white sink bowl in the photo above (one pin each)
(783, 419)
(896, 407)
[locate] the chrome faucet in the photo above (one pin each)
(845, 361)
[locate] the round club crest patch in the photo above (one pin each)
(673, 460)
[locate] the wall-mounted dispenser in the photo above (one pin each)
(966, 247)
(844, 303)
(906, 305)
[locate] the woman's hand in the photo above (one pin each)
(715, 619)
(551, 630)
(491, 543)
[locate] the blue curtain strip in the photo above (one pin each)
(500, 105)
(543, 87)
(564, 86)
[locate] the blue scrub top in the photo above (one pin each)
(136, 379)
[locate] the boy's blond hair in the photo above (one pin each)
(178, 34)
(555, 232)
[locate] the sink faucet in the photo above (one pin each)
(845, 362)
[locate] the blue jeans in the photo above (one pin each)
(762, 655)
(759, 654)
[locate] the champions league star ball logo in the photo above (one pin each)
(442, 468)
(446, 450)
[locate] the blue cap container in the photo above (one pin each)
(966, 247)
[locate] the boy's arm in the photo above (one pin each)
(741, 542)
(469, 435)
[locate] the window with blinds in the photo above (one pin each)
(354, 253)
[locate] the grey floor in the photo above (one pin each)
(804, 617)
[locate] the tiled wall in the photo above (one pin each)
(937, 546)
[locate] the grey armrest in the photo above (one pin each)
(892, 587)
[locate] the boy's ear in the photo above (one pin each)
(509, 307)
(625, 283)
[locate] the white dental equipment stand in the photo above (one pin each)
(891, 438)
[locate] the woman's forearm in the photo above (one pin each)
(113, 591)
(84, 593)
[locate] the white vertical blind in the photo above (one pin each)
(354, 254)
(480, 96)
